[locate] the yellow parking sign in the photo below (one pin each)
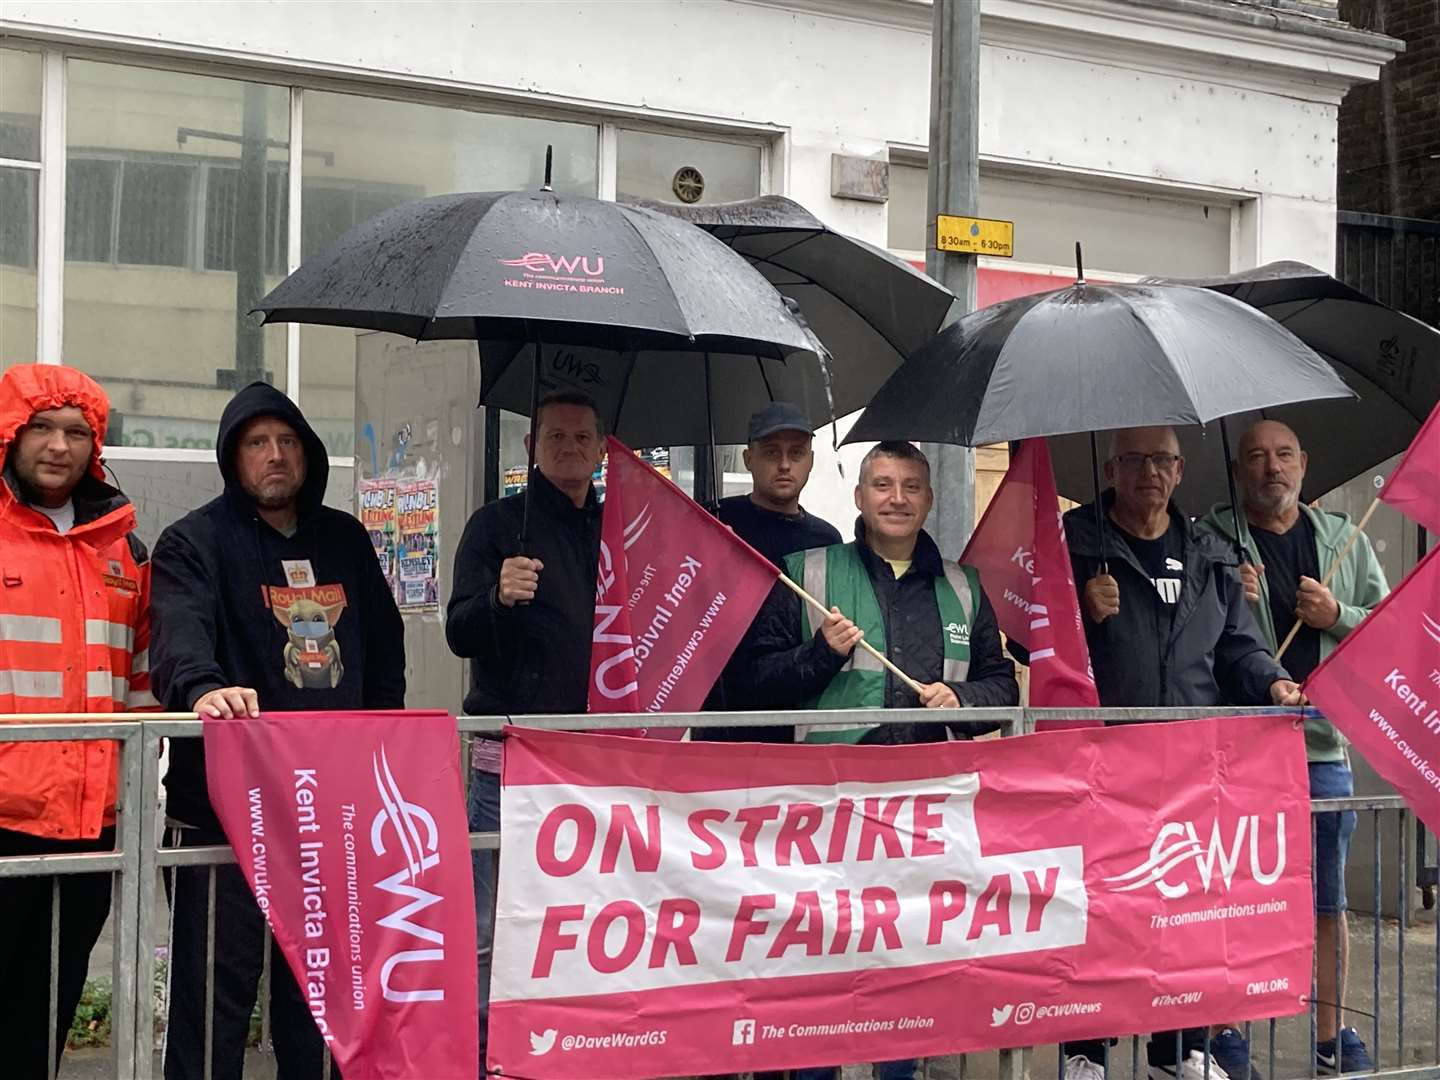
(975, 236)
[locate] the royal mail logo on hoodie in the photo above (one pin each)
(309, 615)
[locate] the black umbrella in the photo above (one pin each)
(591, 294)
(869, 308)
(1389, 359)
(1094, 358)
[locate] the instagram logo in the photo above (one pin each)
(1025, 1012)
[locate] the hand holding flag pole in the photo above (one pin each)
(1355, 535)
(884, 660)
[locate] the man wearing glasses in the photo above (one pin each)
(1167, 624)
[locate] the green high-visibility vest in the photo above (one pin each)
(838, 575)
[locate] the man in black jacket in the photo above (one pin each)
(523, 613)
(262, 598)
(1167, 624)
(770, 519)
(1164, 611)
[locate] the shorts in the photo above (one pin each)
(1331, 780)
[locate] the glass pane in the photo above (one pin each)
(905, 212)
(19, 219)
(19, 105)
(174, 222)
(673, 168)
(364, 155)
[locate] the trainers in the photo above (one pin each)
(1080, 1067)
(1231, 1051)
(1352, 1054)
(1191, 1068)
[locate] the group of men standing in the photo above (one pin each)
(1169, 617)
(265, 598)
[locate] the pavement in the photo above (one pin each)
(1279, 1049)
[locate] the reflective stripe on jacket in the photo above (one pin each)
(839, 576)
(74, 629)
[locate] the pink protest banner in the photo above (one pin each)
(1381, 687)
(1019, 548)
(674, 594)
(350, 829)
(677, 910)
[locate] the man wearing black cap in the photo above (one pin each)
(779, 456)
(770, 519)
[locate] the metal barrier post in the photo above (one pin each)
(146, 931)
(129, 894)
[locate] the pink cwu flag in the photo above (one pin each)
(1414, 486)
(675, 592)
(350, 830)
(1019, 548)
(1381, 687)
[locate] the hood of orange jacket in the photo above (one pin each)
(26, 389)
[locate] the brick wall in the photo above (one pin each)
(1389, 149)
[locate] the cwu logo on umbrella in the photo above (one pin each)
(561, 273)
(537, 262)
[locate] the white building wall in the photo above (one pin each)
(1168, 100)
(1104, 93)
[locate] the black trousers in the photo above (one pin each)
(25, 926)
(239, 961)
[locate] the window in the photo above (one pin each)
(222, 210)
(1128, 231)
(365, 155)
(19, 203)
(677, 168)
(19, 215)
(19, 105)
(174, 229)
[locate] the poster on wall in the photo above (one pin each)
(377, 514)
(417, 548)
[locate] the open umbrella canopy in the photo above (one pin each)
(869, 308)
(1094, 358)
(656, 396)
(668, 329)
(527, 265)
(1391, 361)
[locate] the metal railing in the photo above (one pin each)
(1403, 1026)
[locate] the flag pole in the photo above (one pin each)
(818, 606)
(1355, 535)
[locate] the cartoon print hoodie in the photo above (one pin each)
(308, 621)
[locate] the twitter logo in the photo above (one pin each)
(997, 1017)
(545, 1041)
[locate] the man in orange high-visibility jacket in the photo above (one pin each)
(74, 633)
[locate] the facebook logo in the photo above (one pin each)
(743, 1033)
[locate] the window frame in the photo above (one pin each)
(607, 119)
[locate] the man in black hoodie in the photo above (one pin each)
(261, 598)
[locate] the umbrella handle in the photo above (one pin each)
(1240, 554)
(530, 450)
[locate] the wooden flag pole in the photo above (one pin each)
(1355, 535)
(818, 606)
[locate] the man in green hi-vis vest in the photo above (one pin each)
(891, 587)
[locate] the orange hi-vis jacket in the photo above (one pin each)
(74, 622)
